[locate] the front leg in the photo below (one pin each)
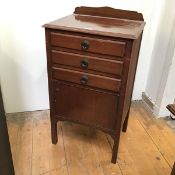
(115, 148)
(54, 131)
(125, 124)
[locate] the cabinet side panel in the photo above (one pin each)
(131, 76)
(50, 84)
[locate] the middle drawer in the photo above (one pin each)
(87, 62)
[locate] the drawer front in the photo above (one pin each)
(101, 46)
(90, 107)
(87, 79)
(87, 62)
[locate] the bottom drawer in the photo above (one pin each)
(87, 106)
(88, 79)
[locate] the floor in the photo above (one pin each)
(148, 147)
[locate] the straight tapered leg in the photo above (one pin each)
(115, 148)
(125, 124)
(54, 131)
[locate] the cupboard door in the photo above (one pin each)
(87, 106)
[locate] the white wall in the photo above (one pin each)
(152, 11)
(23, 74)
(168, 96)
(159, 87)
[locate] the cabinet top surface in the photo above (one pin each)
(106, 26)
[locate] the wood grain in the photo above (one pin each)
(93, 63)
(88, 31)
(101, 146)
(104, 26)
(109, 12)
(140, 153)
(162, 135)
(78, 147)
(22, 151)
(87, 111)
(143, 154)
(94, 80)
(46, 157)
(171, 108)
(96, 45)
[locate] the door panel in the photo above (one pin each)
(86, 106)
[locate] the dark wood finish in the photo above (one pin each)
(93, 63)
(87, 71)
(171, 108)
(99, 110)
(92, 58)
(114, 27)
(109, 12)
(6, 163)
(92, 80)
(107, 47)
(173, 170)
(126, 94)
(125, 123)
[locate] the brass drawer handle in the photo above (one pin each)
(84, 64)
(84, 80)
(85, 45)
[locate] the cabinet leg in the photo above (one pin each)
(125, 124)
(115, 149)
(54, 132)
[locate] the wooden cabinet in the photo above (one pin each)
(92, 57)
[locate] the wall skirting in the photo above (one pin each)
(147, 101)
(150, 105)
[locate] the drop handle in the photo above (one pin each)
(84, 64)
(85, 45)
(84, 80)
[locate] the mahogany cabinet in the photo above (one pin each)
(92, 58)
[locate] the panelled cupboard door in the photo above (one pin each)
(86, 105)
(6, 163)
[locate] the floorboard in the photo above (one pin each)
(147, 148)
(160, 133)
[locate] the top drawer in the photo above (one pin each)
(101, 46)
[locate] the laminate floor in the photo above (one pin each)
(147, 148)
